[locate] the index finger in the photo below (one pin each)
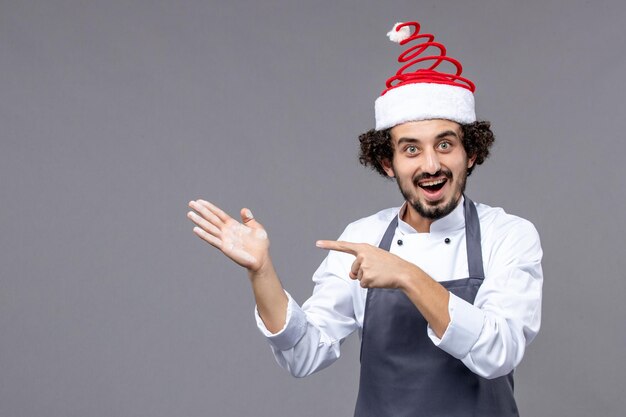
(340, 246)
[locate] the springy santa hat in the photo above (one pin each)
(414, 94)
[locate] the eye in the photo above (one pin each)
(444, 146)
(411, 149)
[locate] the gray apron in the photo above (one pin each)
(403, 373)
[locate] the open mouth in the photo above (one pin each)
(433, 186)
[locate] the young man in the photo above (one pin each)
(446, 293)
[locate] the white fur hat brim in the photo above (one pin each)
(424, 101)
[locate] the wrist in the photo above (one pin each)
(266, 268)
(408, 279)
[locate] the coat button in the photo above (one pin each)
(400, 242)
(447, 240)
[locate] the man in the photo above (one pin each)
(446, 293)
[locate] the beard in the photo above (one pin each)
(439, 209)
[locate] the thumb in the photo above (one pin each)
(248, 219)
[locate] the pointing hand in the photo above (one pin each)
(373, 267)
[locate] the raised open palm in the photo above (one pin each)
(246, 244)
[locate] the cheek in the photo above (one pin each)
(457, 163)
(403, 172)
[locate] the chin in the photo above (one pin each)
(435, 210)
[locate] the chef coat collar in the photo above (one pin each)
(452, 222)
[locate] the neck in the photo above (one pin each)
(416, 220)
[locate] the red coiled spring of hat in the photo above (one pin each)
(401, 33)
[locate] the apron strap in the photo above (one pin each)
(472, 240)
(385, 242)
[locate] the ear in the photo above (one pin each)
(470, 162)
(388, 167)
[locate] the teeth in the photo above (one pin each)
(431, 183)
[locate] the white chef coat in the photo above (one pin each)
(489, 336)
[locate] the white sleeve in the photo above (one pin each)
(312, 335)
(491, 335)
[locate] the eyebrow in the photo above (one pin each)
(439, 136)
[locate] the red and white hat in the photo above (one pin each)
(423, 93)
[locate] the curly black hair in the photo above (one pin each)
(376, 145)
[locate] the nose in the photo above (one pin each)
(432, 165)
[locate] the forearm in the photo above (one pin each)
(269, 296)
(429, 297)
(491, 333)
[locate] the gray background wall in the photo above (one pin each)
(114, 114)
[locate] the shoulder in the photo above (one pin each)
(495, 219)
(369, 229)
(506, 232)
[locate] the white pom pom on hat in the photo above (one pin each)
(398, 36)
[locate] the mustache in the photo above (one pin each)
(425, 176)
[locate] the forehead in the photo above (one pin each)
(424, 130)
